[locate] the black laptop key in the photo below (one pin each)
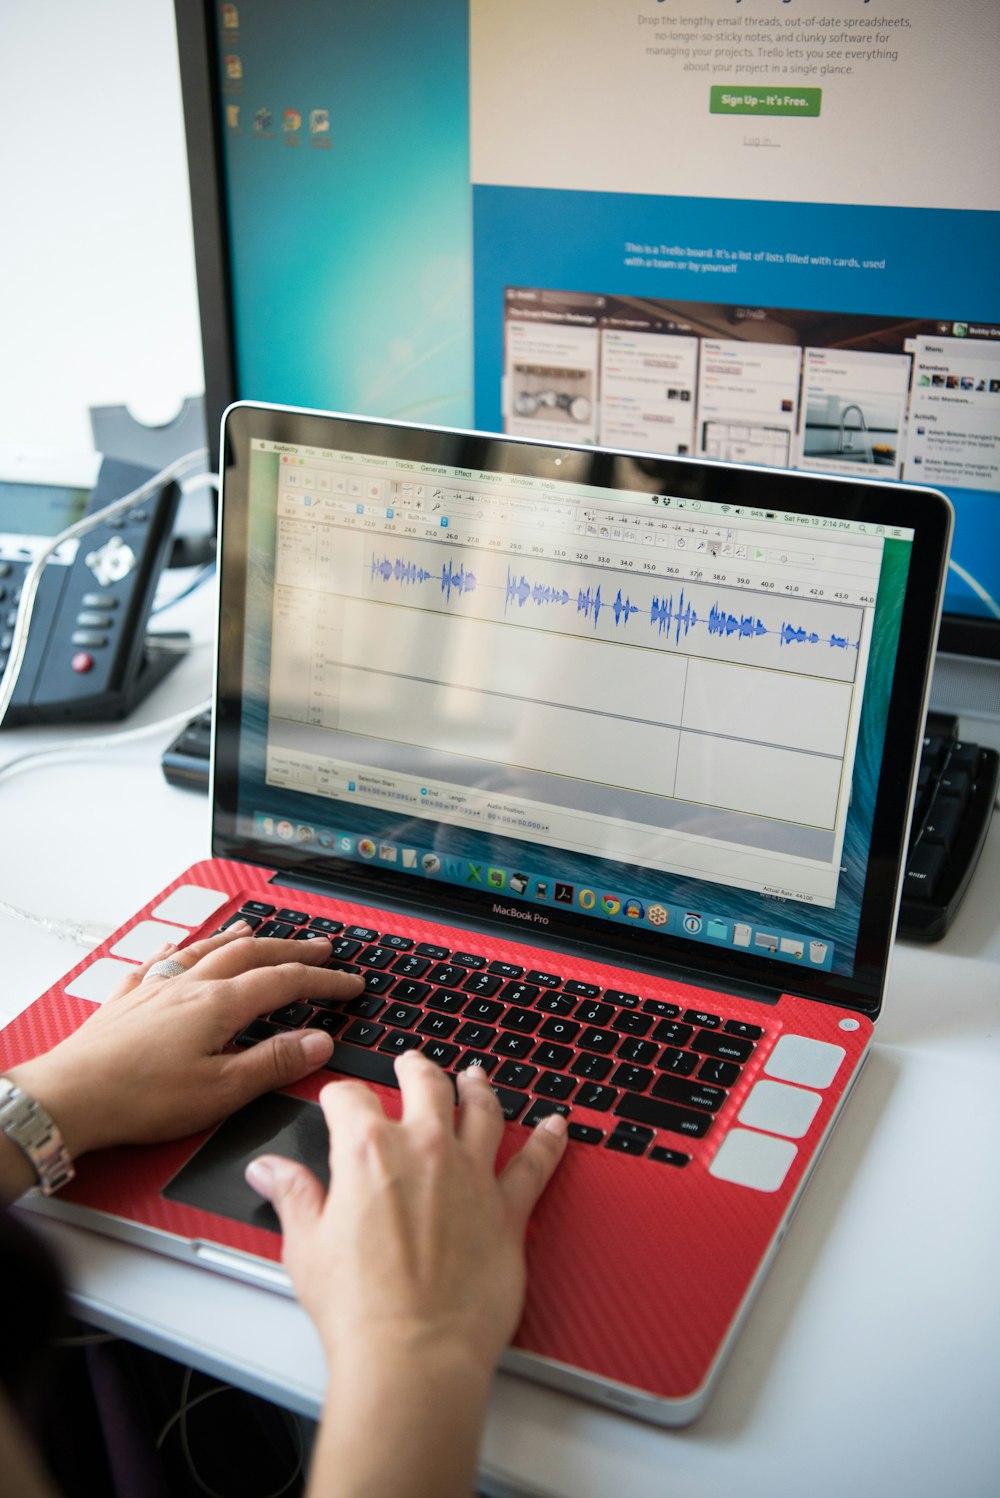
(468, 959)
(401, 1016)
(718, 1073)
(553, 1056)
(563, 1031)
(441, 1025)
(555, 1084)
(509, 1043)
(668, 1157)
(476, 1036)
(681, 1063)
(428, 949)
(640, 1108)
(642, 1052)
(634, 1078)
(515, 1074)
(598, 1040)
(363, 1032)
(482, 983)
(544, 980)
(256, 1031)
(449, 1000)
(256, 907)
(524, 1020)
(447, 974)
(725, 1047)
(304, 934)
(477, 1058)
(411, 966)
(620, 996)
(690, 1094)
(408, 992)
(485, 1011)
(582, 990)
(630, 1023)
(506, 970)
(520, 993)
(660, 1007)
(590, 1013)
(398, 1041)
(440, 1052)
(370, 1066)
(293, 917)
(361, 933)
(591, 1095)
(275, 928)
(292, 1015)
(699, 1017)
(672, 1032)
(344, 947)
(740, 1027)
(541, 1108)
(379, 983)
(512, 1103)
(329, 1021)
(626, 1143)
(594, 1068)
(377, 957)
(552, 1002)
(943, 821)
(398, 943)
(365, 1006)
(253, 921)
(585, 1133)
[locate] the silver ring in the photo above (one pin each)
(167, 967)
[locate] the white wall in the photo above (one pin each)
(97, 291)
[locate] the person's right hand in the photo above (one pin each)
(419, 1245)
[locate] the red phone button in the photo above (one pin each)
(82, 662)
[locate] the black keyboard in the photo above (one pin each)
(185, 761)
(548, 1043)
(956, 792)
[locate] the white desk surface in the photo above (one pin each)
(871, 1361)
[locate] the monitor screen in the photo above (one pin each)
(753, 230)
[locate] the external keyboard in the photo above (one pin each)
(548, 1043)
(956, 792)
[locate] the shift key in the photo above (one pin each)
(668, 1116)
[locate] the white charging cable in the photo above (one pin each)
(177, 470)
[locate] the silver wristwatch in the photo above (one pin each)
(27, 1124)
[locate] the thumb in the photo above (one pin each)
(277, 1062)
(293, 1191)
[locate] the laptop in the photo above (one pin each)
(599, 767)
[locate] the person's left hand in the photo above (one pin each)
(150, 1063)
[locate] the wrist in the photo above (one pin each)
(28, 1129)
(40, 1078)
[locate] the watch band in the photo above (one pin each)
(27, 1125)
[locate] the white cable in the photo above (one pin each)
(80, 747)
(167, 475)
(976, 587)
(86, 934)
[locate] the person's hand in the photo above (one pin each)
(418, 1244)
(412, 1268)
(150, 1063)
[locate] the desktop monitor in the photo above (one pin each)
(759, 230)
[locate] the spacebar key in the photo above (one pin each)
(370, 1066)
(659, 1115)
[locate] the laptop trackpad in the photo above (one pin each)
(212, 1180)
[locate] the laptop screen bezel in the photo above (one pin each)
(924, 511)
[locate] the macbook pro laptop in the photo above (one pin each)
(598, 766)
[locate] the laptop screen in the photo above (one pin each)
(605, 696)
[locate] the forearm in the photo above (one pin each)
(404, 1422)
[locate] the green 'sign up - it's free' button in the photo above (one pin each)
(787, 101)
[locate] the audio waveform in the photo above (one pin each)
(665, 614)
(451, 578)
